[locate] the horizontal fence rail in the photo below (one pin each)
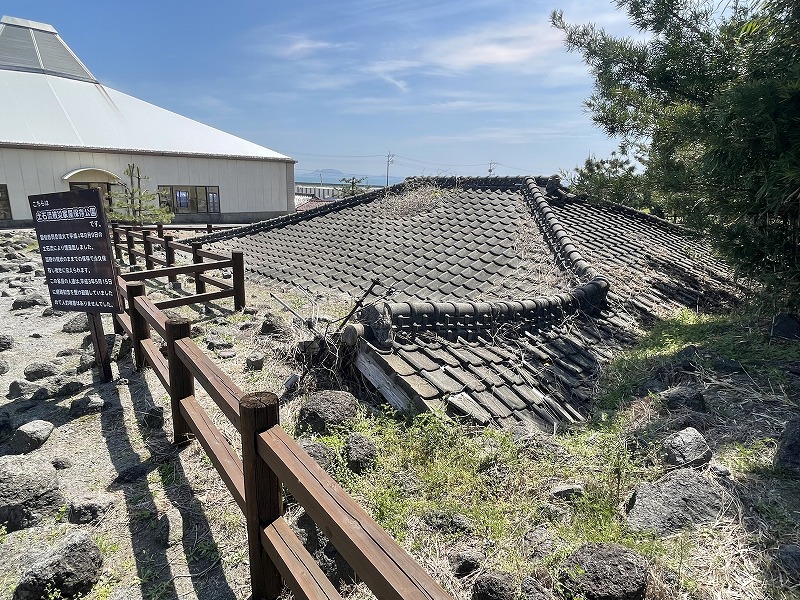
(270, 460)
(128, 238)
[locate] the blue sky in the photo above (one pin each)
(446, 87)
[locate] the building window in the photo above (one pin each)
(181, 199)
(5, 203)
(213, 200)
(190, 198)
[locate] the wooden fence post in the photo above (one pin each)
(181, 381)
(129, 242)
(140, 330)
(169, 253)
(160, 229)
(117, 241)
(262, 491)
(239, 298)
(209, 228)
(199, 284)
(148, 249)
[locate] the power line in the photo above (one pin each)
(514, 168)
(428, 162)
(343, 157)
(391, 159)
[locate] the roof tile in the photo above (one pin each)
(528, 356)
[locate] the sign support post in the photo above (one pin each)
(101, 354)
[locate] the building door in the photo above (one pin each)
(5, 203)
(105, 188)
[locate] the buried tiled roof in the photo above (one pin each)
(453, 243)
(504, 295)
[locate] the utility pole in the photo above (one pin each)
(491, 167)
(389, 160)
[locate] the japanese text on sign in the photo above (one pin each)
(76, 251)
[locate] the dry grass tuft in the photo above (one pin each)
(415, 198)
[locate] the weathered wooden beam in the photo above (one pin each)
(385, 385)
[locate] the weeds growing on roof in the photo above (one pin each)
(415, 197)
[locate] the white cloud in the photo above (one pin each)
(532, 49)
(300, 47)
(375, 105)
(465, 57)
(495, 45)
(388, 71)
(296, 46)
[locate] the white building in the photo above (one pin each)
(60, 129)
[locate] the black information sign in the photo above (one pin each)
(76, 251)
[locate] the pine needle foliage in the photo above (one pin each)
(137, 205)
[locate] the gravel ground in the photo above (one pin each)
(125, 452)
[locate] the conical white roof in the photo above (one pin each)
(49, 98)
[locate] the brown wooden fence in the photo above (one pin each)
(270, 461)
(128, 239)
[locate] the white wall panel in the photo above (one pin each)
(246, 186)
